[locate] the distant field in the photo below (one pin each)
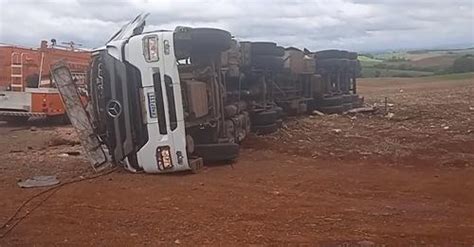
(411, 63)
(423, 54)
(372, 72)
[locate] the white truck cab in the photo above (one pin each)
(138, 102)
(160, 101)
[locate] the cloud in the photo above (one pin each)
(319, 24)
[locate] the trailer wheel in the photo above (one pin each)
(331, 101)
(347, 98)
(328, 54)
(268, 62)
(217, 151)
(279, 111)
(265, 129)
(339, 63)
(264, 117)
(353, 65)
(265, 48)
(352, 55)
(356, 101)
(210, 39)
(280, 51)
(332, 109)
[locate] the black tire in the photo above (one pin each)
(279, 123)
(264, 48)
(268, 62)
(352, 55)
(217, 151)
(332, 109)
(356, 101)
(328, 54)
(279, 111)
(347, 98)
(280, 51)
(210, 39)
(355, 97)
(335, 63)
(331, 101)
(265, 129)
(354, 65)
(264, 118)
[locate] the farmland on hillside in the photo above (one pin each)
(411, 63)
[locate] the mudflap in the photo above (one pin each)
(217, 151)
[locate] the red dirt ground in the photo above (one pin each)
(356, 180)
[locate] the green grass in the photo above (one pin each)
(371, 72)
(420, 63)
(389, 55)
(368, 62)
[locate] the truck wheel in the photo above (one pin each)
(264, 117)
(264, 48)
(217, 151)
(210, 39)
(332, 109)
(265, 129)
(347, 98)
(279, 111)
(353, 65)
(356, 101)
(333, 62)
(268, 62)
(352, 55)
(327, 54)
(355, 98)
(302, 108)
(280, 51)
(331, 101)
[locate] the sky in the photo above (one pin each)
(359, 25)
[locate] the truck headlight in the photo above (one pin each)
(163, 158)
(150, 48)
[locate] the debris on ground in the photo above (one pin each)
(316, 112)
(337, 131)
(39, 181)
(368, 109)
(390, 115)
(408, 133)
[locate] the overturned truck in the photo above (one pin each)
(166, 101)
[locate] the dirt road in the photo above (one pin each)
(400, 176)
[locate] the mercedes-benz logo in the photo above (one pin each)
(114, 108)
